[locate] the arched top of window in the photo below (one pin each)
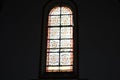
(60, 16)
(60, 11)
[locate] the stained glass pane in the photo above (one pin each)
(53, 33)
(53, 44)
(66, 59)
(54, 21)
(66, 32)
(66, 43)
(65, 10)
(55, 11)
(52, 58)
(66, 20)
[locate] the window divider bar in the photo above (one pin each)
(61, 26)
(57, 65)
(62, 39)
(60, 35)
(60, 14)
(62, 48)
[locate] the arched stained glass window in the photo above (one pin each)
(60, 40)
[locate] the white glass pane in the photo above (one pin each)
(66, 20)
(66, 32)
(66, 50)
(52, 58)
(66, 43)
(66, 69)
(53, 33)
(66, 59)
(55, 11)
(65, 10)
(54, 21)
(53, 44)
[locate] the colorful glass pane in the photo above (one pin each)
(53, 33)
(53, 58)
(54, 21)
(66, 32)
(66, 59)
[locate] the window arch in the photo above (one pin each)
(59, 45)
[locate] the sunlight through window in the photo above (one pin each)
(60, 40)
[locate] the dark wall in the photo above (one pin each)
(20, 27)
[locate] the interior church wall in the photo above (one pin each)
(20, 27)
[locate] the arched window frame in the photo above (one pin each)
(46, 9)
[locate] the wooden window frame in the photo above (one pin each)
(42, 67)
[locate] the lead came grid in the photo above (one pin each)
(60, 40)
